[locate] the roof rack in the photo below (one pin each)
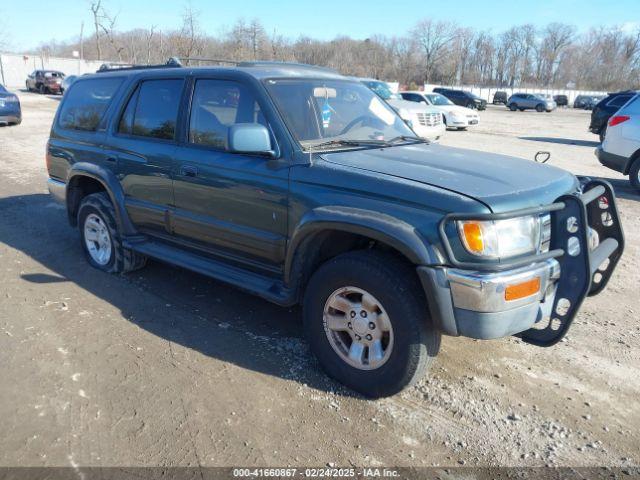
(173, 62)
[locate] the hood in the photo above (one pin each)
(501, 182)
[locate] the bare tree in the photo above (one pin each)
(434, 38)
(96, 9)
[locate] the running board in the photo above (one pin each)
(265, 287)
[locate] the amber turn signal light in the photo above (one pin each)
(522, 290)
(473, 237)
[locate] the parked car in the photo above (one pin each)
(526, 101)
(454, 116)
(426, 122)
(45, 81)
(500, 97)
(10, 111)
(605, 109)
(300, 185)
(462, 98)
(620, 149)
(591, 101)
(561, 100)
(66, 83)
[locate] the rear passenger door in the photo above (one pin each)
(233, 205)
(143, 146)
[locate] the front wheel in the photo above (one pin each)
(367, 322)
(540, 108)
(101, 240)
(513, 107)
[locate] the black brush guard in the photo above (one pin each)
(583, 274)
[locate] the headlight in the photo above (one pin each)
(501, 238)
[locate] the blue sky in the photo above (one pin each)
(27, 23)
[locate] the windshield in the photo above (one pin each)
(437, 99)
(2, 89)
(382, 89)
(328, 112)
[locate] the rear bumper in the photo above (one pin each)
(13, 117)
(615, 162)
(468, 298)
(58, 190)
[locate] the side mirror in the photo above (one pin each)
(250, 138)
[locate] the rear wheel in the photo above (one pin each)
(101, 240)
(634, 174)
(366, 320)
(41, 89)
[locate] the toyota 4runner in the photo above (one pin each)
(302, 186)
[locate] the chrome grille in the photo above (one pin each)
(429, 119)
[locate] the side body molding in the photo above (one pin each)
(378, 226)
(110, 183)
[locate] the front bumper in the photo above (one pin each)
(58, 190)
(431, 133)
(469, 299)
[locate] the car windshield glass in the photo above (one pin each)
(2, 89)
(437, 99)
(335, 113)
(383, 90)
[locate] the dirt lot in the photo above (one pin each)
(168, 367)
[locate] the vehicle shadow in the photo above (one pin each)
(563, 141)
(182, 307)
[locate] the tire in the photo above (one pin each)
(634, 174)
(513, 107)
(395, 287)
(26, 84)
(42, 89)
(120, 259)
(540, 108)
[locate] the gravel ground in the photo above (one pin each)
(166, 367)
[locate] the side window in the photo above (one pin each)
(216, 106)
(152, 110)
(84, 104)
(634, 106)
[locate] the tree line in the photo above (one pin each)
(433, 52)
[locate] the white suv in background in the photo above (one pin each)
(620, 149)
(455, 116)
(425, 121)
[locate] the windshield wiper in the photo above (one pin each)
(368, 142)
(407, 138)
(349, 143)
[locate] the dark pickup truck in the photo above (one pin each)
(302, 186)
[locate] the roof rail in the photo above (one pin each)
(200, 60)
(173, 62)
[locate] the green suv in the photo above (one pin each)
(301, 186)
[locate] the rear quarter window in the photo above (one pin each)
(85, 103)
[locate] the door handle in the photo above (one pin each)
(188, 171)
